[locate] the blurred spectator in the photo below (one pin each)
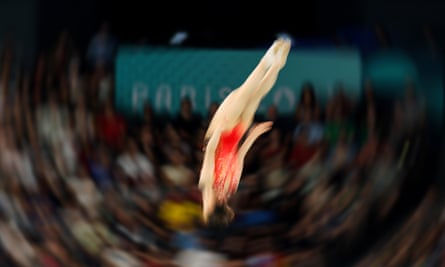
(83, 122)
(199, 258)
(273, 147)
(135, 165)
(76, 80)
(311, 126)
(303, 149)
(119, 258)
(308, 103)
(148, 145)
(84, 233)
(187, 121)
(210, 112)
(15, 244)
(339, 104)
(111, 127)
(61, 55)
(337, 119)
(101, 86)
(102, 47)
(171, 141)
(15, 163)
(101, 166)
(176, 171)
(342, 153)
(149, 118)
(52, 121)
(85, 191)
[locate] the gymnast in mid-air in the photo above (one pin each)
(224, 153)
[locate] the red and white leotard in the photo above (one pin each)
(227, 164)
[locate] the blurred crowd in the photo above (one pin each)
(83, 185)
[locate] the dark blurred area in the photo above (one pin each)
(348, 181)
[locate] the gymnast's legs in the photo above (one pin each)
(264, 86)
(241, 104)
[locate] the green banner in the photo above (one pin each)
(163, 76)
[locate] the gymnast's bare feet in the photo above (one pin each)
(282, 52)
(277, 53)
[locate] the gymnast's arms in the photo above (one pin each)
(206, 177)
(252, 136)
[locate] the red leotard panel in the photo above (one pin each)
(226, 163)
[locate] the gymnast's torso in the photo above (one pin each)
(226, 163)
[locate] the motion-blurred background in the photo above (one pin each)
(103, 106)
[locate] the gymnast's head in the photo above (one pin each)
(221, 216)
